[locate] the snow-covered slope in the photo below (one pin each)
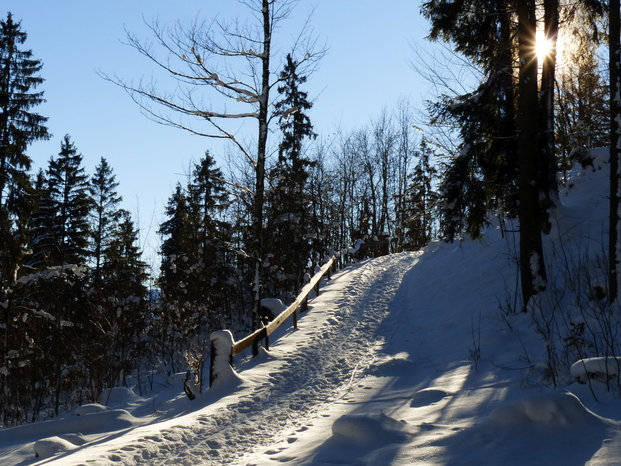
(404, 359)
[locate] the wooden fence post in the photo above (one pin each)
(267, 339)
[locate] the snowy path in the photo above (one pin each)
(315, 365)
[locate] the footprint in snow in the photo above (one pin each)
(428, 396)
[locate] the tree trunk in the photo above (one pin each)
(615, 145)
(260, 164)
(532, 269)
(547, 166)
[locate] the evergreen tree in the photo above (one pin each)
(105, 213)
(288, 207)
(117, 293)
(50, 314)
(70, 200)
(59, 243)
(121, 318)
(176, 245)
(420, 201)
(41, 222)
(485, 171)
(207, 202)
(19, 126)
(179, 251)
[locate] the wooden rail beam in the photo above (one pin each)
(302, 300)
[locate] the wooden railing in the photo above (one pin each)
(264, 333)
(227, 347)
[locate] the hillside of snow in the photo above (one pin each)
(413, 358)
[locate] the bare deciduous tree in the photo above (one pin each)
(223, 76)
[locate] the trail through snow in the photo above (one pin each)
(311, 367)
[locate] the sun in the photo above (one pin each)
(543, 46)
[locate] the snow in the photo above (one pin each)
(599, 367)
(410, 358)
(47, 447)
(273, 304)
(369, 430)
(89, 408)
(224, 375)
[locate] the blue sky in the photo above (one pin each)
(367, 68)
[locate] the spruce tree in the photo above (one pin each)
(177, 236)
(485, 171)
(179, 252)
(122, 317)
(207, 202)
(41, 223)
(60, 249)
(288, 207)
(105, 213)
(420, 201)
(69, 195)
(19, 126)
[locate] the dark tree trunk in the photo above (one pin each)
(532, 269)
(615, 145)
(547, 166)
(260, 163)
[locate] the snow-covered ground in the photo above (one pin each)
(404, 359)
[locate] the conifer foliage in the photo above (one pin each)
(197, 268)
(485, 171)
(288, 245)
(73, 302)
(421, 201)
(105, 214)
(70, 202)
(507, 156)
(19, 126)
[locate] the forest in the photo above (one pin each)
(80, 311)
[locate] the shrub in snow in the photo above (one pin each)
(270, 309)
(117, 395)
(596, 368)
(561, 409)
(273, 304)
(89, 409)
(194, 359)
(51, 446)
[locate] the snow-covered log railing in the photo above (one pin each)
(219, 352)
